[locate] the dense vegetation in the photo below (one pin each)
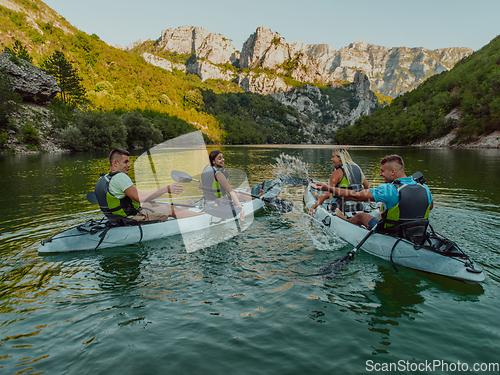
(252, 119)
(117, 82)
(114, 80)
(466, 98)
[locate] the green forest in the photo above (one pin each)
(470, 91)
(113, 98)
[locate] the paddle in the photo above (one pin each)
(221, 212)
(182, 177)
(278, 204)
(293, 181)
(338, 264)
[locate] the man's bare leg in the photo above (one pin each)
(361, 218)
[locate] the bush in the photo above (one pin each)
(3, 139)
(194, 99)
(30, 134)
(140, 130)
(72, 138)
(100, 131)
(104, 86)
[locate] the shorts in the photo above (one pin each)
(148, 212)
(373, 222)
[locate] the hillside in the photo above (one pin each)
(123, 81)
(464, 100)
(114, 79)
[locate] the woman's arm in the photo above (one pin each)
(221, 179)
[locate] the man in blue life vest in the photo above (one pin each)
(402, 197)
(118, 196)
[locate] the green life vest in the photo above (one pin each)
(357, 185)
(111, 205)
(211, 187)
(413, 205)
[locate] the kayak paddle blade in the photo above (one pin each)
(92, 198)
(293, 181)
(331, 270)
(278, 204)
(181, 177)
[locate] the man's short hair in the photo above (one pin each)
(393, 158)
(116, 153)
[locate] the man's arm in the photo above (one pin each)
(362, 196)
(148, 195)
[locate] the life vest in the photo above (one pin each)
(356, 185)
(413, 204)
(111, 205)
(211, 187)
(356, 177)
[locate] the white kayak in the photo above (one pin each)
(436, 255)
(100, 234)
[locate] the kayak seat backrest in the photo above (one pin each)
(346, 206)
(414, 231)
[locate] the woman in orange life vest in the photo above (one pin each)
(215, 185)
(347, 174)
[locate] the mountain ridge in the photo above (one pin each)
(392, 71)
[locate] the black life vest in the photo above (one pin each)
(111, 205)
(413, 205)
(356, 185)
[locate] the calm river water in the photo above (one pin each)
(247, 305)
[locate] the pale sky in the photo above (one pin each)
(430, 24)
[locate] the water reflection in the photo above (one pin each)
(383, 299)
(62, 310)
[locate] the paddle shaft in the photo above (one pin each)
(370, 232)
(275, 203)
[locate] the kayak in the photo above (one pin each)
(100, 234)
(437, 255)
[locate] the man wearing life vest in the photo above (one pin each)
(118, 196)
(402, 197)
(347, 174)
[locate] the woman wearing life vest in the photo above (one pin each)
(215, 185)
(347, 174)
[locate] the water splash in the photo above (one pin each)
(291, 166)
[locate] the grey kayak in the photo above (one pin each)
(438, 255)
(100, 234)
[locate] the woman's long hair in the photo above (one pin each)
(346, 159)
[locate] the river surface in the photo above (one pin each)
(249, 305)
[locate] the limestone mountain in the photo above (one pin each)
(463, 103)
(391, 71)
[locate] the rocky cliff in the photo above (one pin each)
(332, 107)
(29, 81)
(391, 71)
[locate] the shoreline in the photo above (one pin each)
(486, 141)
(50, 145)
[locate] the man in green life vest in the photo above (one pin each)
(118, 195)
(402, 197)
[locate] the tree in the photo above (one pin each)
(9, 99)
(20, 51)
(72, 91)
